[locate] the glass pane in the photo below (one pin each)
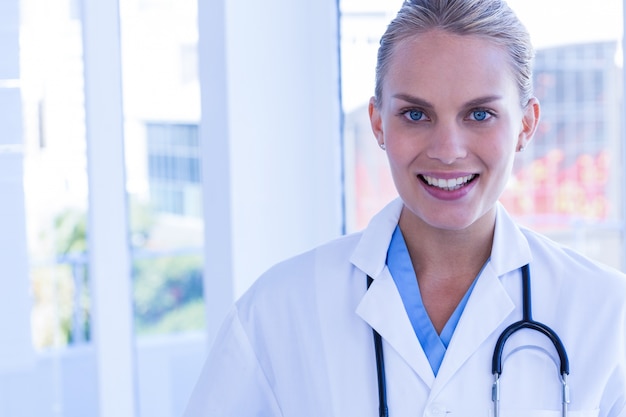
(162, 108)
(63, 379)
(161, 101)
(568, 183)
(368, 185)
(161, 98)
(55, 174)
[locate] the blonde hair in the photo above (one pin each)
(490, 19)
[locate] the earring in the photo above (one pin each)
(382, 146)
(522, 148)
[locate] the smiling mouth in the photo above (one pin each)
(451, 184)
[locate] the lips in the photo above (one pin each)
(448, 184)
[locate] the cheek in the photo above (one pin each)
(400, 162)
(503, 142)
(405, 142)
(498, 153)
(401, 154)
(502, 165)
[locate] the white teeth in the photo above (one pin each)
(449, 185)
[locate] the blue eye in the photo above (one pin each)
(480, 115)
(415, 115)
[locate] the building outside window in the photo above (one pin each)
(568, 183)
(174, 168)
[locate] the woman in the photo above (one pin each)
(453, 104)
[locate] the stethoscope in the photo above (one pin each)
(526, 322)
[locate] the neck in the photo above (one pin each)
(452, 254)
(446, 262)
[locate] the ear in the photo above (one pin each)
(530, 121)
(376, 122)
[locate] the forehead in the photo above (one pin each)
(437, 63)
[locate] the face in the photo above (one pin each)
(451, 121)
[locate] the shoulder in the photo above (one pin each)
(295, 279)
(562, 261)
(293, 295)
(333, 253)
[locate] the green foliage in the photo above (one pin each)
(52, 289)
(142, 220)
(166, 289)
(188, 316)
(70, 228)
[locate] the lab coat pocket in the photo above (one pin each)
(546, 413)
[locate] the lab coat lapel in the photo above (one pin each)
(382, 308)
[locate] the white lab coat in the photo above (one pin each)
(299, 342)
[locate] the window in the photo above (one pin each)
(568, 184)
(174, 168)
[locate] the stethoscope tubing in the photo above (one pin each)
(527, 322)
(380, 368)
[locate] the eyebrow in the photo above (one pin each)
(423, 103)
(413, 100)
(483, 100)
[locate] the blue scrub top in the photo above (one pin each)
(401, 268)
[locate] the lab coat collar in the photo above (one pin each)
(370, 255)
(382, 308)
(510, 248)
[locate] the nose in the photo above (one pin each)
(447, 144)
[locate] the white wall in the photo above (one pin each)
(16, 353)
(270, 133)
